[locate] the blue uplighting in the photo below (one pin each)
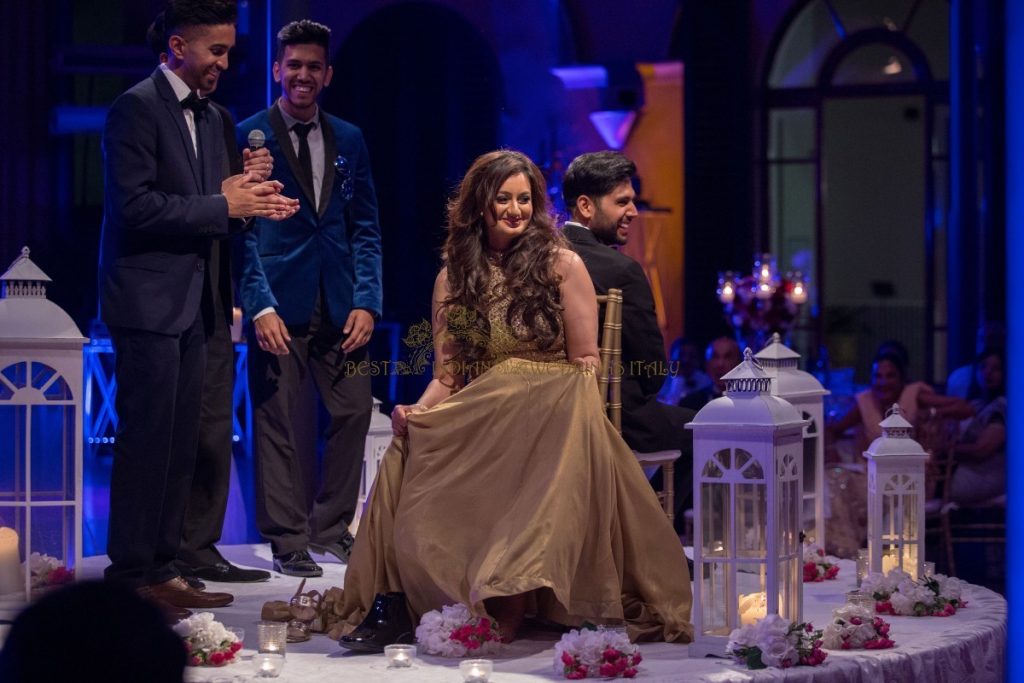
(1015, 335)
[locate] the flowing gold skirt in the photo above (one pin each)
(520, 484)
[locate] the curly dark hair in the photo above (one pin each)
(304, 32)
(182, 14)
(531, 281)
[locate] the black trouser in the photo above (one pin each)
(208, 498)
(283, 513)
(159, 382)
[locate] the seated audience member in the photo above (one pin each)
(510, 423)
(846, 485)
(685, 373)
(962, 381)
(95, 630)
(889, 386)
(980, 452)
(722, 355)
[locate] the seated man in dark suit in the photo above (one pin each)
(598, 190)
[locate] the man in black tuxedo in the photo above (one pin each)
(198, 556)
(598, 190)
(166, 200)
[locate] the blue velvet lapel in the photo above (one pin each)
(330, 154)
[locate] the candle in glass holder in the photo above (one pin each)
(863, 561)
(271, 636)
(268, 664)
(476, 670)
(860, 599)
(752, 607)
(399, 656)
(929, 569)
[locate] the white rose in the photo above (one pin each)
(775, 651)
(745, 636)
(902, 604)
(832, 636)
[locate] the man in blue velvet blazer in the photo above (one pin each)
(312, 286)
(166, 200)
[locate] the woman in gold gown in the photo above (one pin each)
(506, 488)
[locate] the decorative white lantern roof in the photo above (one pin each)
(25, 312)
(747, 401)
(895, 438)
(781, 363)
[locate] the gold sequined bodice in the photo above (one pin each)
(506, 342)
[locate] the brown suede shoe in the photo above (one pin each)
(172, 614)
(178, 593)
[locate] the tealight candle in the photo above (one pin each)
(476, 670)
(399, 656)
(271, 636)
(268, 664)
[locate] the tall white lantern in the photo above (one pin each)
(378, 438)
(747, 457)
(40, 436)
(807, 395)
(896, 497)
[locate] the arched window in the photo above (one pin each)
(856, 173)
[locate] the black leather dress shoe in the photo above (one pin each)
(229, 573)
(341, 549)
(298, 563)
(386, 623)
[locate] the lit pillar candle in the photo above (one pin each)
(12, 578)
(752, 607)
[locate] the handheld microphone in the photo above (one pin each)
(256, 139)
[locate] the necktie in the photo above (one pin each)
(305, 158)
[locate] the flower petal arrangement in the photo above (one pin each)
(854, 628)
(455, 632)
(776, 642)
(898, 594)
(596, 651)
(47, 571)
(207, 642)
(818, 566)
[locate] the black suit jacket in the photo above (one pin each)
(162, 208)
(646, 424)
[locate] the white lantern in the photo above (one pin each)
(378, 438)
(806, 394)
(40, 435)
(747, 456)
(896, 497)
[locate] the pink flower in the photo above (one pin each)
(610, 654)
(576, 675)
(630, 672)
(568, 659)
(608, 670)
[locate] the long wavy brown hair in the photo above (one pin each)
(528, 263)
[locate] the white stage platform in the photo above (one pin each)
(968, 647)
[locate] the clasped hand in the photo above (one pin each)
(248, 196)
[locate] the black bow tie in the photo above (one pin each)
(196, 103)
